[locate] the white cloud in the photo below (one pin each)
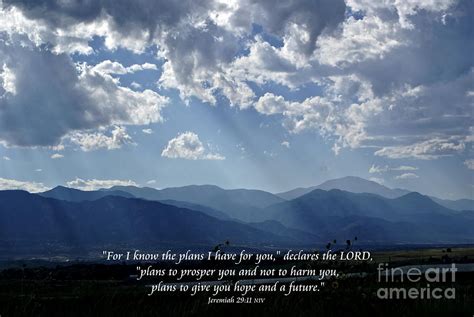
(7, 81)
(151, 182)
(375, 98)
(95, 184)
(70, 97)
(378, 169)
(359, 40)
(407, 176)
(135, 85)
(139, 67)
(13, 21)
(426, 150)
(6, 158)
(57, 156)
(38, 170)
(379, 180)
(382, 169)
(286, 144)
(374, 72)
(197, 40)
(271, 104)
(98, 140)
(107, 67)
(32, 187)
(59, 147)
(405, 168)
(329, 117)
(188, 146)
(404, 9)
(147, 131)
(135, 107)
(469, 164)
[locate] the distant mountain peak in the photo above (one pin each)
(350, 180)
(352, 184)
(76, 195)
(60, 187)
(414, 194)
(351, 177)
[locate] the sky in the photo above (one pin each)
(270, 95)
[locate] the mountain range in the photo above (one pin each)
(115, 220)
(208, 215)
(72, 194)
(412, 218)
(349, 183)
(241, 204)
(359, 185)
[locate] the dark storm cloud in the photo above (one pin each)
(438, 49)
(315, 16)
(48, 101)
(127, 16)
(51, 97)
(393, 71)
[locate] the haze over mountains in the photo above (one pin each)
(208, 215)
(349, 183)
(359, 185)
(114, 220)
(409, 218)
(241, 204)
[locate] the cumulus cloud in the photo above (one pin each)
(98, 140)
(47, 86)
(197, 39)
(208, 59)
(362, 69)
(6, 158)
(109, 67)
(407, 176)
(359, 40)
(95, 184)
(271, 104)
(401, 10)
(125, 105)
(286, 144)
(322, 114)
(188, 146)
(381, 68)
(147, 131)
(70, 97)
(32, 187)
